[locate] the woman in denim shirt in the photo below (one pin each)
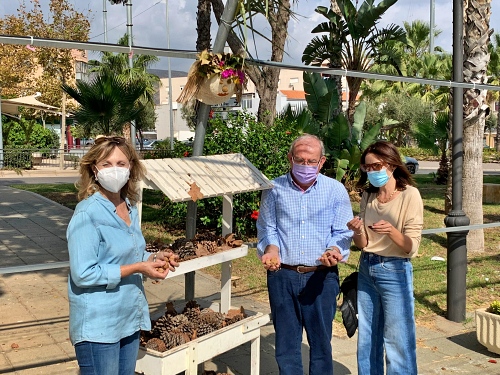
(107, 255)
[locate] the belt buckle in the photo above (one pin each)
(297, 269)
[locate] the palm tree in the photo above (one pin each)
(107, 103)
(476, 58)
(118, 64)
(362, 43)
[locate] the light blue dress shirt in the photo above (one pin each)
(103, 307)
(302, 224)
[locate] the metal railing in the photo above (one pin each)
(34, 158)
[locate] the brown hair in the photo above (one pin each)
(389, 154)
(103, 147)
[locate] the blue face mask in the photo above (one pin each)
(378, 178)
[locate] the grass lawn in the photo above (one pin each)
(483, 277)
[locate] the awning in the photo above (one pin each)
(11, 106)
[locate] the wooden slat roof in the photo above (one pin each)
(215, 175)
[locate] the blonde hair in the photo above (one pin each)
(103, 147)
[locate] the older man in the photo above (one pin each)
(302, 235)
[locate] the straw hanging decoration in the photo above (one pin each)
(214, 78)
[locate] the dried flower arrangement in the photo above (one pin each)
(214, 78)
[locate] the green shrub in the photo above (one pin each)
(494, 307)
(265, 147)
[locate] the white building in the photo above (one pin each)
(290, 92)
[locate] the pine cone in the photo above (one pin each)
(235, 315)
(192, 311)
(184, 249)
(176, 338)
(214, 319)
(156, 344)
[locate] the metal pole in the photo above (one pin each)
(457, 246)
(199, 137)
(171, 118)
(105, 20)
(130, 61)
(431, 27)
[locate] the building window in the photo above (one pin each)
(81, 71)
(246, 103)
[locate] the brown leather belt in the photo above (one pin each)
(304, 269)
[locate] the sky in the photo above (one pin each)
(150, 24)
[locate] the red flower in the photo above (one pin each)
(211, 114)
(255, 215)
(288, 132)
(186, 154)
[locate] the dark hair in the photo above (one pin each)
(389, 154)
(103, 147)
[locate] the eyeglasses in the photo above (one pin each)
(114, 139)
(372, 167)
(305, 162)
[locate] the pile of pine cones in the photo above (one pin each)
(202, 244)
(173, 329)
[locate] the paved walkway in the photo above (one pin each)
(34, 306)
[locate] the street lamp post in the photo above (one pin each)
(130, 61)
(170, 116)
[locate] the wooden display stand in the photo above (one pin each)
(218, 175)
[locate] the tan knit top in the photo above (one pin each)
(405, 212)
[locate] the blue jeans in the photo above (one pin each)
(386, 316)
(303, 301)
(95, 358)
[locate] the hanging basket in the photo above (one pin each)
(204, 79)
(216, 90)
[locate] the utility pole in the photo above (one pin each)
(431, 27)
(105, 20)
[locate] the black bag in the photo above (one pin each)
(349, 306)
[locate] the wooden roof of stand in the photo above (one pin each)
(198, 177)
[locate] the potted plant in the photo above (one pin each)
(214, 78)
(488, 327)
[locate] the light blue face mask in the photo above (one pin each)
(378, 178)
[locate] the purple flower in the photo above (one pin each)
(227, 73)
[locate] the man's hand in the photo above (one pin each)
(271, 259)
(331, 257)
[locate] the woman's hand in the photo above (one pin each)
(356, 225)
(382, 227)
(155, 268)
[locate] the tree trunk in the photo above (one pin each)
(265, 79)
(476, 58)
(203, 24)
(336, 63)
(497, 138)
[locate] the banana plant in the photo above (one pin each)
(344, 143)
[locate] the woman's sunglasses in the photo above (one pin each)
(372, 167)
(114, 139)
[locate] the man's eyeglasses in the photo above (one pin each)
(372, 167)
(304, 161)
(114, 139)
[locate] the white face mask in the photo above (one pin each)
(113, 179)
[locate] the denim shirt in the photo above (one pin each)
(103, 307)
(302, 224)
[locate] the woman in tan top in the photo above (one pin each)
(388, 229)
